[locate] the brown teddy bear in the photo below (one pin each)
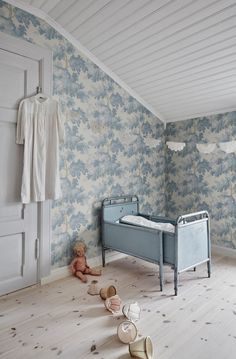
(79, 266)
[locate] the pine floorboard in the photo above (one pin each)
(60, 320)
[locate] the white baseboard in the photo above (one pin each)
(63, 272)
(223, 251)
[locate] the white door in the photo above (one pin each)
(19, 78)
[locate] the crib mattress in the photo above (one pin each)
(144, 222)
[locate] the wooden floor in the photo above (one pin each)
(60, 320)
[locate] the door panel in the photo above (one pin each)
(12, 259)
(10, 75)
(18, 223)
(10, 164)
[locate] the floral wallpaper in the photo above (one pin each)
(204, 179)
(113, 145)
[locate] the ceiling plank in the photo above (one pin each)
(139, 74)
(83, 14)
(49, 5)
(196, 95)
(146, 47)
(128, 12)
(136, 21)
(207, 55)
(151, 88)
(61, 9)
(161, 26)
(197, 66)
(37, 3)
(107, 18)
(211, 104)
(215, 81)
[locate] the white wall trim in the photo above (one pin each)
(63, 272)
(42, 15)
(223, 251)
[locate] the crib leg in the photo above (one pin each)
(161, 276)
(103, 257)
(161, 239)
(176, 281)
(209, 268)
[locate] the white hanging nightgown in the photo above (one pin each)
(40, 129)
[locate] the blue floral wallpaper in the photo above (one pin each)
(113, 144)
(196, 180)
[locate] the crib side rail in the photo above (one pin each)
(192, 217)
(114, 208)
(155, 218)
(119, 199)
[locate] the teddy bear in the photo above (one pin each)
(79, 266)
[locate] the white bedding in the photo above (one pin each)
(143, 222)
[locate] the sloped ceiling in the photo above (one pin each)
(179, 56)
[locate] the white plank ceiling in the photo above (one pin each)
(177, 55)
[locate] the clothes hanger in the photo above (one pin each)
(40, 94)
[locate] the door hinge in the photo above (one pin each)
(36, 249)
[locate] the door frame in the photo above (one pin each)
(45, 58)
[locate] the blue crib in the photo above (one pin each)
(186, 248)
